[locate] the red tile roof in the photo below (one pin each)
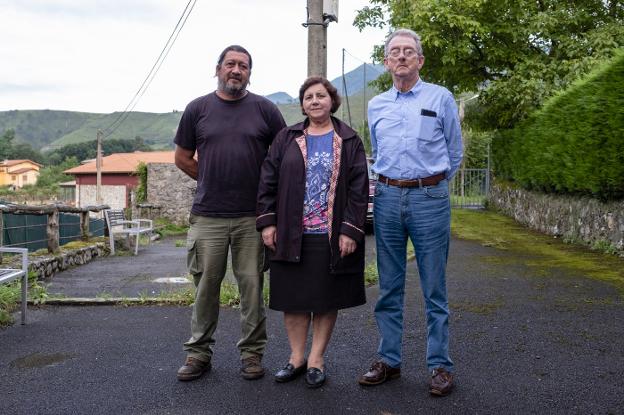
(9, 163)
(124, 162)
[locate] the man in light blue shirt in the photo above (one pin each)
(417, 148)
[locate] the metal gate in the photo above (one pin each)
(469, 188)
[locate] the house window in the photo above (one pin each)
(24, 178)
(13, 177)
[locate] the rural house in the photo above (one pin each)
(18, 173)
(118, 177)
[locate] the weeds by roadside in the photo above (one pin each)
(10, 297)
(165, 228)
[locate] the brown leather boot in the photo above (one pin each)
(251, 368)
(193, 369)
(379, 373)
(441, 382)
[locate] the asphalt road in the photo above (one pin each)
(523, 341)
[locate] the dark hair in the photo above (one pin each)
(234, 48)
(333, 92)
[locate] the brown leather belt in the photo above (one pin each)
(425, 181)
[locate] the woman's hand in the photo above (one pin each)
(347, 245)
(269, 236)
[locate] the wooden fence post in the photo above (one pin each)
(52, 231)
(84, 225)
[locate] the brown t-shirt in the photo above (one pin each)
(231, 139)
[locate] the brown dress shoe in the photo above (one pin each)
(193, 369)
(379, 373)
(251, 368)
(441, 382)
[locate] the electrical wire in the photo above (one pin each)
(153, 71)
(371, 65)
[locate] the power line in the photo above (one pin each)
(153, 71)
(372, 65)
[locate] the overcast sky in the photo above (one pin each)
(92, 55)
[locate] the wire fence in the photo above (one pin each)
(469, 188)
(30, 231)
(48, 226)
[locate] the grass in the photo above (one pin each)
(166, 228)
(229, 296)
(371, 276)
(10, 296)
(538, 251)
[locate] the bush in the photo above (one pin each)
(575, 143)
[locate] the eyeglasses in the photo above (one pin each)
(407, 52)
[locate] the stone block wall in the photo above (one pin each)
(48, 265)
(171, 190)
(112, 195)
(578, 218)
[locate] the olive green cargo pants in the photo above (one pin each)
(208, 242)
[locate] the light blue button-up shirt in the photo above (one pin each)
(415, 134)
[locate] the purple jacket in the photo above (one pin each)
(282, 188)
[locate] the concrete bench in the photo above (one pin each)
(10, 274)
(118, 225)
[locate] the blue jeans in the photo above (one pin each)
(423, 214)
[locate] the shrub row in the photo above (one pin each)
(575, 143)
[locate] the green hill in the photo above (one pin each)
(49, 129)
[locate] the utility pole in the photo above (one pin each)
(98, 168)
(317, 40)
(320, 13)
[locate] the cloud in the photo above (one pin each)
(32, 88)
(90, 9)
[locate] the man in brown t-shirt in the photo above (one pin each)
(230, 130)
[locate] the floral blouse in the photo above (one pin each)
(318, 174)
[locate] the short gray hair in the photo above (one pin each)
(404, 32)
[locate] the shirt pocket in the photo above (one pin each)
(430, 137)
(428, 126)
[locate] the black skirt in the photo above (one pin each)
(307, 286)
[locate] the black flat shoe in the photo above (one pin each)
(315, 378)
(290, 372)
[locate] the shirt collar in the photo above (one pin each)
(413, 91)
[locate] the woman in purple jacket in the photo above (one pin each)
(312, 202)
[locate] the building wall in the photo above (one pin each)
(114, 196)
(8, 175)
(109, 179)
(171, 190)
(22, 179)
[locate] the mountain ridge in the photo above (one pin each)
(48, 129)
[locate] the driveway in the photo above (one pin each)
(522, 341)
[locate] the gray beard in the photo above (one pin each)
(235, 91)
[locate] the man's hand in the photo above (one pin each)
(269, 237)
(347, 245)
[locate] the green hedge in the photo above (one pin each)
(575, 143)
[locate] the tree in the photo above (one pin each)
(10, 150)
(6, 144)
(87, 149)
(516, 53)
(53, 175)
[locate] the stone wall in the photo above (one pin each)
(171, 190)
(577, 218)
(46, 266)
(112, 195)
